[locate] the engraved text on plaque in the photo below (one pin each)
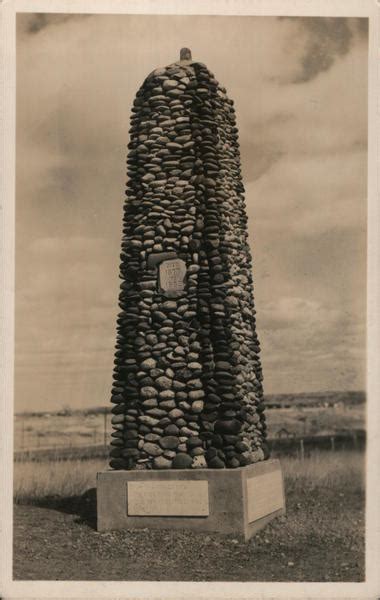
(172, 275)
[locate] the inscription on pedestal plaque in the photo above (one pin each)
(265, 495)
(167, 498)
(172, 276)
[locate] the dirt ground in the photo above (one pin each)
(320, 539)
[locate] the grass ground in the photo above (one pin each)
(36, 481)
(321, 538)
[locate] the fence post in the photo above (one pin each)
(332, 441)
(302, 449)
(105, 428)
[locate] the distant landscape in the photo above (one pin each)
(289, 415)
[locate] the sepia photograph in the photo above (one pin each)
(190, 376)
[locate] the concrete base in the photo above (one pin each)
(229, 501)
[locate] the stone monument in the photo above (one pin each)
(189, 442)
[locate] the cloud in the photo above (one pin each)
(326, 341)
(35, 22)
(64, 298)
(309, 119)
(326, 39)
(279, 121)
(310, 196)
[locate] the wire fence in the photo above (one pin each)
(56, 432)
(292, 446)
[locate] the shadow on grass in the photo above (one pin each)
(83, 506)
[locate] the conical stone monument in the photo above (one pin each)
(187, 394)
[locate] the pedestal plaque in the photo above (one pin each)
(167, 499)
(264, 495)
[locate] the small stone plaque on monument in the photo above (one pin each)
(172, 276)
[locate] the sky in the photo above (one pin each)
(300, 92)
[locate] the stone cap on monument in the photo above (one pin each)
(185, 58)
